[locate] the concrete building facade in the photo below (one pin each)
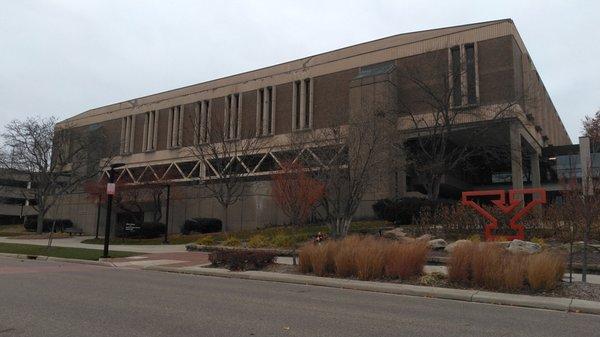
(154, 133)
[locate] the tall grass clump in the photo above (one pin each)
(406, 260)
(366, 258)
(545, 271)
(489, 266)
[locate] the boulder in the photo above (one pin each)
(519, 246)
(437, 244)
(396, 233)
(424, 237)
(450, 248)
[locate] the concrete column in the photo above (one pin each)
(516, 157)
(180, 128)
(203, 116)
(155, 130)
(127, 133)
(534, 162)
(233, 117)
(295, 97)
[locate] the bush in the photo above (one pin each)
(405, 210)
(59, 224)
(258, 241)
(241, 259)
(232, 241)
(404, 261)
(490, 266)
(283, 241)
(147, 230)
(323, 258)
(305, 258)
(201, 225)
(545, 271)
(206, 240)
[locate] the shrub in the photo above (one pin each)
(206, 240)
(258, 241)
(345, 258)
(59, 224)
(404, 210)
(406, 260)
(232, 241)
(201, 225)
(545, 270)
(474, 238)
(146, 230)
(283, 241)
(241, 259)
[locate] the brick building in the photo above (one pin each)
(153, 133)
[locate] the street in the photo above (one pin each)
(64, 299)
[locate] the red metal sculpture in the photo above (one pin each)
(538, 196)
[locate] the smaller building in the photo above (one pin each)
(16, 197)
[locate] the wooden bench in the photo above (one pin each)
(74, 230)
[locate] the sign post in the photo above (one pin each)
(110, 192)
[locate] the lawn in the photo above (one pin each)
(70, 253)
(12, 230)
(174, 239)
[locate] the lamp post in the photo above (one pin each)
(110, 191)
(166, 240)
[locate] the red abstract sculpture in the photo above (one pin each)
(538, 198)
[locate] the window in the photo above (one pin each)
(265, 108)
(150, 131)
(202, 122)
(463, 75)
(302, 111)
(233, 120)
(127, 134)
(175, 127)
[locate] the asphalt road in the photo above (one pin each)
(61, 299)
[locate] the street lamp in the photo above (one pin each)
(166, 240)
(110, 191)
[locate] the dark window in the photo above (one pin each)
(270, 111)
(307, 103)
(456, 77)
(297, 84)
(471, 78)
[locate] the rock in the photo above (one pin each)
(450, 248)
(424, 237)
(396, 234)
(437, 244)
(519, 246)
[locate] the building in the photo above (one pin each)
(153, 132)
(16, 199)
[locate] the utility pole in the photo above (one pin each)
(166, 240)
(110, 191)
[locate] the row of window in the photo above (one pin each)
(463, 75)
(302, 116)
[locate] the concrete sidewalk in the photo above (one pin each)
(75, 242)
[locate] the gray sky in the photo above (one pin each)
(64, 57)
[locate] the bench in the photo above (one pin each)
(74, 230)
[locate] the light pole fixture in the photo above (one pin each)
(110, 191)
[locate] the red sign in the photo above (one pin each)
(110, 189)
(538, 196)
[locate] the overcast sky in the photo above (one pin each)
(64, 57)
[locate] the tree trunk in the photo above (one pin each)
(226, 222)
(40, 222)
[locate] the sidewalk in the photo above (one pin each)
(75, 242)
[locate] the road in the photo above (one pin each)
(42, 298)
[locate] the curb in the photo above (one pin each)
(475, 296)
(55, 259)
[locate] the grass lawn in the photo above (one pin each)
(70, 253)
(12, 230)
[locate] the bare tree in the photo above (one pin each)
(354, 156)
(436, 102)
(223, 156)
(57, 159)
